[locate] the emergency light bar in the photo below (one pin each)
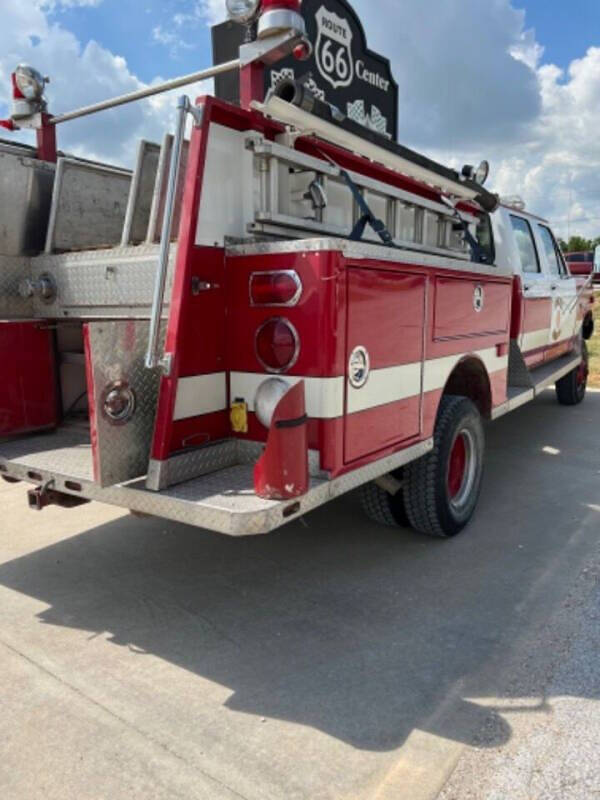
(324, 122)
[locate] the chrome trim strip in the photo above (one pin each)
(362, 251)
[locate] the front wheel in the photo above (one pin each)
(571, 390)
(442, 489)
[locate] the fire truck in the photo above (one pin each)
(264, 315)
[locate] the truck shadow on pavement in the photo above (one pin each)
(360, 632)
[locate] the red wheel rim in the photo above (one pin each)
(457, 467)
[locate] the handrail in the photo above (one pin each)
(150, 91)
(152, 358)
(589, 282)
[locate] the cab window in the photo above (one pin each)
(555, 261)
(485, 238)
(525, 245)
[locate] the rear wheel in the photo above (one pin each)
(442, 489)
(436, 495)
(385, 505)
(571, 389)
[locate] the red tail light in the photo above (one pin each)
(275, 288)
(17, 93)
(277, 345)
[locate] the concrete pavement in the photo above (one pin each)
(333, 659)
(554, 713)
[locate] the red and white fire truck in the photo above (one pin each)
(280, 310)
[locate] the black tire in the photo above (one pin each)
(382, 507)
(571, 390)
(431, 506)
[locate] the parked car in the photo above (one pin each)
(585, 263)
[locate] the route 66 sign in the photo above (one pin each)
(342, 70)
(333, 50)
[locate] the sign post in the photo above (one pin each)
(342, 70)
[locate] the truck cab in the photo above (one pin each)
(546, 315)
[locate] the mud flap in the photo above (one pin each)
(282, 472)
(114, 354)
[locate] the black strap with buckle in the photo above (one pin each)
(368, 218)
(284, 424)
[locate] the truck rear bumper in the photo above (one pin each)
(223, 501)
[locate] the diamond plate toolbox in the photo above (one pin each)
(115, 354)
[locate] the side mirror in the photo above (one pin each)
(597, 259)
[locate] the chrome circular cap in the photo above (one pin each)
(359, 367)
(119, 403)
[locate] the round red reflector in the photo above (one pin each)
(275, 288)
(277, 345)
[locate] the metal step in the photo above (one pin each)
(539, 380)
(547, 375)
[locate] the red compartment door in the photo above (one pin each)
(28, 385)
(386, 315)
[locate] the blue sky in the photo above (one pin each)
(126, 27)
(565, 28)
(514, 81)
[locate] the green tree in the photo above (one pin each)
(577, 244)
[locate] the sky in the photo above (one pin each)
(513, 81)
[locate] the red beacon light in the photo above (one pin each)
(28, 98)
(278, 16)
(28, 92)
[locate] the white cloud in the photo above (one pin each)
(555, 162)
(213, 11)
(81, 75)
(54, 4)
(475, 85)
